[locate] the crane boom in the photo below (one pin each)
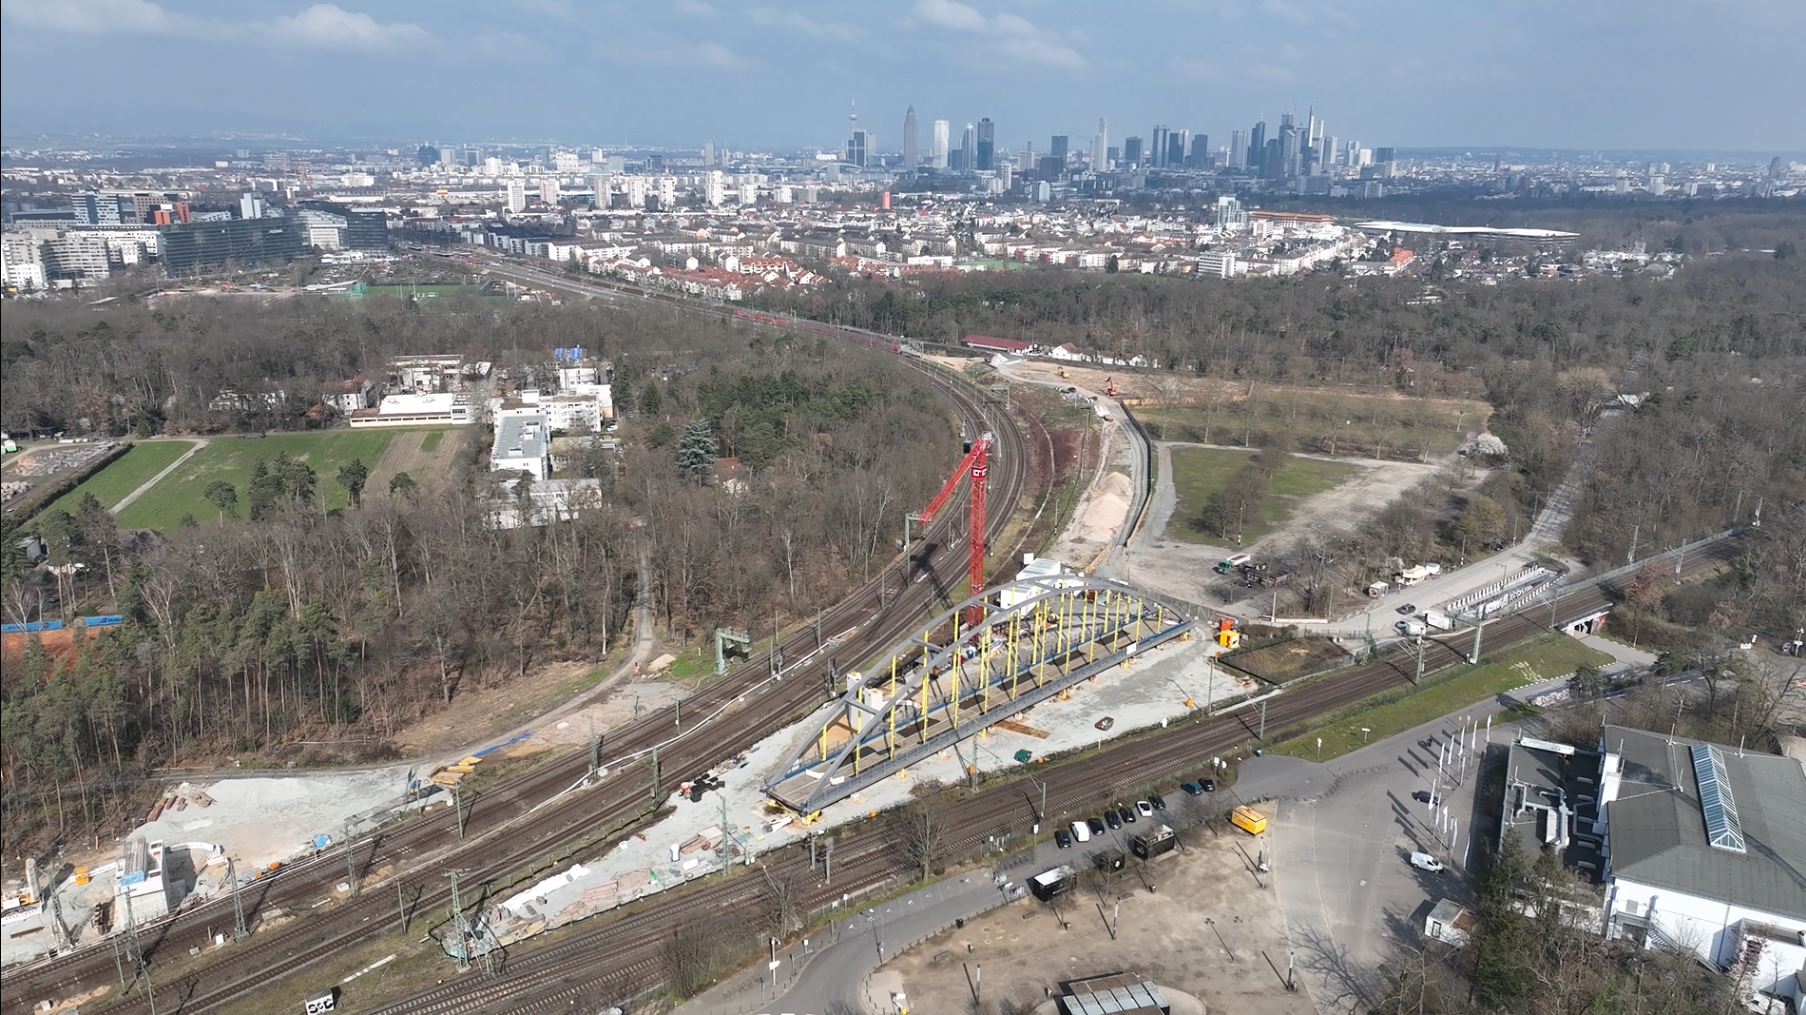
(977, 465)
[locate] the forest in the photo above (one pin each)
(1715, 356)
(250, 634)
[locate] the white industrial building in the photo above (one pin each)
(440, 409)
(1699, 847)
(1705, 850)
(522, 444)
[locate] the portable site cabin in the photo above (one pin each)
(1248, 820)
(1050, 883)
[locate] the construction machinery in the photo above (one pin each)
(976, 464)
(1110, 387)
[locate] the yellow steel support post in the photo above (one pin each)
(1115, 622)
(824, 743)
(1040, 658)
(959, 661)
(922, 715)
(1015, 651)
(984, 668)
(890, 738)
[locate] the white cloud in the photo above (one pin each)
(96, 17)
(329, 26)
(1011, 36)
(950, 14)
(714, 54)
(771, 17)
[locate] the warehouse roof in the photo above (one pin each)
(1665, 832)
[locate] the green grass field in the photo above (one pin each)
(1326, 422)
(231, 458)
(124, 474)
(1200, 472)
(430, 442)
(1542, 661)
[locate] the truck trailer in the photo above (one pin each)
(1438, 620)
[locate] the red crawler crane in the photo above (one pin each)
(976, 464)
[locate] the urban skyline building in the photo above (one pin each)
(986, 152)
(968, 148)
(910, 154)
(938, 151)
(1100, 146)
(1131, 150)
(1157, 147)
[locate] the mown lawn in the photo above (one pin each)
(124, 474)
(1554, 657)
(1198, 473)
(231, 458)
(1325, 421)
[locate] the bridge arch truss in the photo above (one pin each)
(950, 679)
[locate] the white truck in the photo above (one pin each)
(1438, 620)
(1412, 628)
(1411, 576)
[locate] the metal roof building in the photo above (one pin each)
(1706, 851)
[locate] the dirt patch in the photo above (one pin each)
(415, 453)
(474, 715)
(1208, 928)
(1104, 508)
(1287, 660)
(1350, 503)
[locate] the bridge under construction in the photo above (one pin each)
(984, 660)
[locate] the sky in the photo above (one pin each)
(1720, 75)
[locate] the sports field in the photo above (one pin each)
(124, 474)
(181, 493)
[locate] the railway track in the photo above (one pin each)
(745, 706)
(607, 963)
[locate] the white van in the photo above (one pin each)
(1080, 832)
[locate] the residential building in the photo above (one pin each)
(251, 206)
(1218, 265)
(545, 501)
(350, 396)
(22, 258)
(515, 197)
(522, 444)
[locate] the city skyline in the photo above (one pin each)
(1591, 80)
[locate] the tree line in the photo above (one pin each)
(274, 618)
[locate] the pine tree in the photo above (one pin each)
(696, 451)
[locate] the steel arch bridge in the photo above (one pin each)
(950, 679)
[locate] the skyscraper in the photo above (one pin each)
(986, 152)
(1257, 148)
(909, 138)
(1100, 147)
(1238, 149)
(856, 141)
(939, 154)
(1175, 148)
(1131, 150)
(1157, 150)
(1199, 157)
(1060, 147)
(968, 149)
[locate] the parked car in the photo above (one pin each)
(1111, 819)
(1408, 608)
(1191, 788)
(1126, 813)
(1105, 723)
(1143, 808)
(1158, 801)
(1423, 796)
(1425, 862)
(1210, 785)
(1062, 838)
(1096, 826)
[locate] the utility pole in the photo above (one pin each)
(1635, 531)
(828, 861)
(401, 906)
(678, 712)
(655, 793)
(462, 929)
(595, 750)
(351, 864)
(458, 806)
(1420, 649)
(239, 930)
(1262, 736)
(118, 963)
(1479, 626)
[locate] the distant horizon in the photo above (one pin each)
(1609, 75)
(402, 143)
